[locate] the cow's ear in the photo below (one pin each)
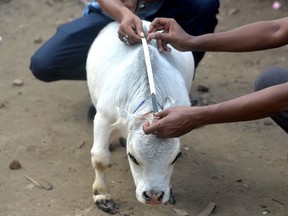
(123, 114)
(169, 102)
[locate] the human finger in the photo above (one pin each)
(150, 128)
(126, 37)
(122, 35)
(162, 114)
(163, 46)
(159, 24)
(134, 36)
(138, 29)
(162, 40)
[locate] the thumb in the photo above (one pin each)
(149, 128)
(160, 36)
(162, 114)
(145, 126)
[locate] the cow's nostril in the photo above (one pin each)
(146, 197)
(153, 196)
(161, 195)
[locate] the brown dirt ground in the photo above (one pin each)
(242, 167)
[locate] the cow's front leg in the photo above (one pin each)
(101, 160)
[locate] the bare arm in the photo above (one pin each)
(123, 12)
(175, 122)
(117, 8)
(251, 37)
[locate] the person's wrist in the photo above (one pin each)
(192, 43)
(124, 12)
(200, 114)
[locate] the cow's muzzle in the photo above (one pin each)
(153, 197)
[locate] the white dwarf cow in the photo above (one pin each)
(119, 88)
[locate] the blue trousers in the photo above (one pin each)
(63, 56)
(271, 77)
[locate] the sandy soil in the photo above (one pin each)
(242, 167)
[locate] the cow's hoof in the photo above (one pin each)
(172, 199)
(107, 206)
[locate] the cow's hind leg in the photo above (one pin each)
(101, 160)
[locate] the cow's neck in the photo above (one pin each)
(144, 106)
(140, 101)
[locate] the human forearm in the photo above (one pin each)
(177, 121)
(264, 103)
(116, 8)
(252, 37)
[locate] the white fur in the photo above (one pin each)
(118, 84)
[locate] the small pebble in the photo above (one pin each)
(3, 104)
(233, 11)
(180, 212)
(246, 186)
(38, 40)
(18, 82)
(202, 88)
(268, 123)
(15, 164)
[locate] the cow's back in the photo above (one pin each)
(118, 72)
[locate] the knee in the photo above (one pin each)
(262, 81)
(270, 77)
(40, 69)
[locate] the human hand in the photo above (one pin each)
(166, 30)
(173, 122)
(130, 4)
(130, 30)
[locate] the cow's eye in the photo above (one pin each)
(133, 158)
(179, 154)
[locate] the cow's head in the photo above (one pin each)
(151, 160)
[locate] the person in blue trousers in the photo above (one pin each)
(63, 56)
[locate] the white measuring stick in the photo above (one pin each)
(150, 74)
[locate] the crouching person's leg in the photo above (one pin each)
(270, 77)
(63, 56)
